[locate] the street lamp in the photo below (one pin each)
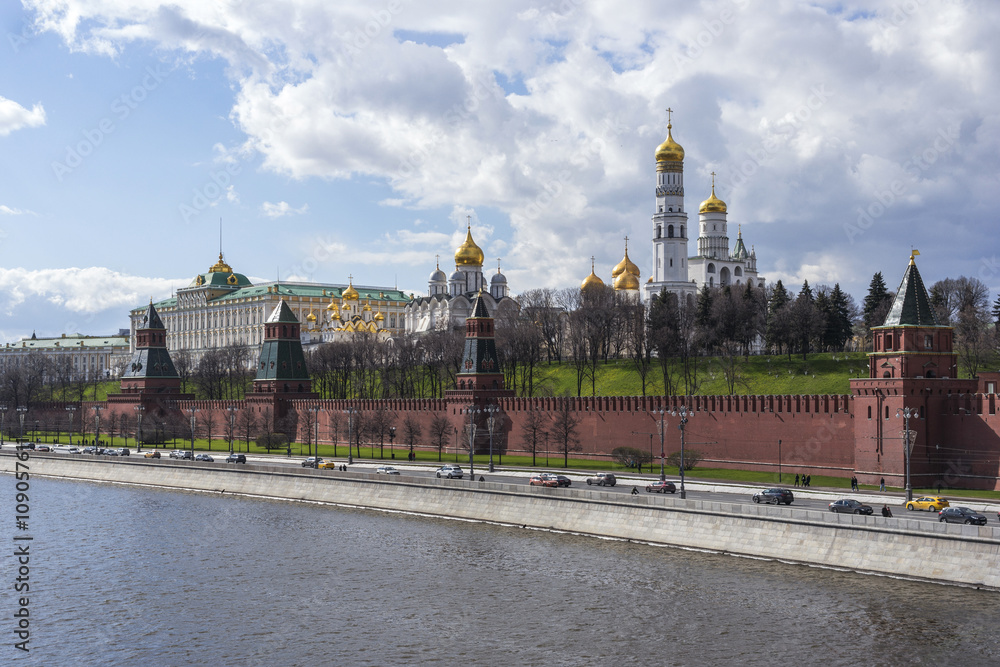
(70, 409)
(192, 412)
(491, 421)
(683, 413)
(139, 409)
(350, 433)
(3, 418)
(663, 475)
(232, 425)
(315, 410)
(97, 425)
(472, 410)
(392, 441)
(906, 413)
(21, 412)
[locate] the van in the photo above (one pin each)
(65, 449)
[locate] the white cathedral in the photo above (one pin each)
(715, 264)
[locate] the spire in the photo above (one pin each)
(911, 305)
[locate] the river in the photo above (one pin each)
(127, 575)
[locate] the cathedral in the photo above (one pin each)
(674, 270)
(449, 301)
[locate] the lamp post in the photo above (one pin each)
(315, 410)
(683, 413)
(906, 413)
(192, 412)
(139, 409)
(779, 460)
(392, 441)
(663, 474)
(232, 425)
(472, 410)
(21, 412)
(350, 434)
(70, 409)
(97, 425)
(3, 418)
(491, 422)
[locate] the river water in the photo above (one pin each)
(123, 575)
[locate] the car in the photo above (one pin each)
(663, 486)
(931, 503)
(543, 480)
(311, 462)
(236, 458)
(176, 454)
(776, 496)
(65, 449)
(90, 450)
(204, 457)
(602, 479)
(850, 506)
(561, 480)
(25, 445)
(386, 470)
(124, 451)
(449, 471)
(329, 464)
(152, 455)
(961, 515)
(186, 455)
(107, 451)
(42, 448)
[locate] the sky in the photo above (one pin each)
(336, 139)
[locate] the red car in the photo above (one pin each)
(539, 480)
(661, 487)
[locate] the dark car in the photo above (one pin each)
(561, 480)
(775, 496)
(42, 448)
(850, 506)
(961, 515)
(661, 487)
(204, 457)
(236, 458)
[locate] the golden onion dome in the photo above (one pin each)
(368, 307)
(220, 266)
(713, 204)
(625, 266)
(592, 280)
(469, 254)
(627, 281)
(310, 317)
(350, 294)
(333, 307)
(379, 317)
(669, 150)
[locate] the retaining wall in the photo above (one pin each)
(968, 555)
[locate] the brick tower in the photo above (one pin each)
(150, 371)
(282, 365)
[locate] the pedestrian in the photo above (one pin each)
(635, 491)
(796, 480)
(939, 488)
(809, 480)
(886, 512)
(881, 484)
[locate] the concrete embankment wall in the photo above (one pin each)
(967, 555)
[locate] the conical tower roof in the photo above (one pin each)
(479, 307)
(911, 307)
(282, 314)
(151, 319)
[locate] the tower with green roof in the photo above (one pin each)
(281, 368)
(150, 369)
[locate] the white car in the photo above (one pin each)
(450, 471)
(386, 470)
(65, 449)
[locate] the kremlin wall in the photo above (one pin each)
(953, 423)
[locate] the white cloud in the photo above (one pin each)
(282, 208)
(550, 115)
(79, 290)
(13, 116)
(7, 210)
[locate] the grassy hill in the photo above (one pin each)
(825, 373)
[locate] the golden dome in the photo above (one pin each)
(310, 317)
(627, 281)
(368, 307)
(625, 266)
(350, 294)
(592, 280)
(379, 317)
(713, 204)
(220, 266)
(469, 254)
(333, 308)
(669, 150)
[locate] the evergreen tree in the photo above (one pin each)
(875, 302)
(838, 326)
(776, 329)
(806, 292)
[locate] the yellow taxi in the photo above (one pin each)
(329, 464)
(931, 503)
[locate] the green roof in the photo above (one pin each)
(302, 290)
(220, 279)
(911, 307)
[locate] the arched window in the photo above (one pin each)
(670, 231)
(737, 271)
(682, 231)
(711, 268)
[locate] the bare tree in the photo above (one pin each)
(411, 430)
(532, 431)
(382, 419)
(563, 429)
(208, 422)
(248, 425)
(440, 431)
